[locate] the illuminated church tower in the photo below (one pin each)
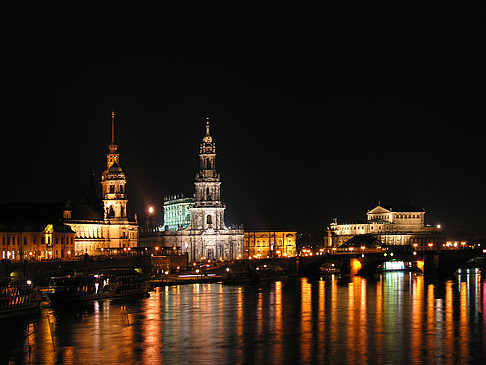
(208, 211)
(113, 182)
(122, 232)
(207, 237)
(108, 231)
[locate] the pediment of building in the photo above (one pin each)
(378, 210)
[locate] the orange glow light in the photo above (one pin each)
(420, 265)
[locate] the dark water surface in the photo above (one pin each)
(395, 318)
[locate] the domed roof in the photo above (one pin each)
(114, 172)
(115, 168)
(367, 240)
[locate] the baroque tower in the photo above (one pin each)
(113, 182)
(208, 211)
(207, 237)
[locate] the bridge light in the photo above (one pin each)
(414, 253)
(384, 254)
(391, 254)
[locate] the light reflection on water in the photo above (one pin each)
(393, 318)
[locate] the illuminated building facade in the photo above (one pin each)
(100, 226)
(392, 225)
(121, 232)
(177, 211)
(36, 241)
(263, 244)
(207, 236)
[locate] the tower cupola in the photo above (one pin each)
(113, 181)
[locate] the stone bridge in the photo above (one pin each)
(433, 262)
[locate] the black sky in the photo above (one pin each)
(317, 112)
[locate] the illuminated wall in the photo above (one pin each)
(263, 244)
(177, 212)
(206, 236)
(26, 243)
(114, 230)
(390, 227)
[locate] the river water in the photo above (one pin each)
(393, 318)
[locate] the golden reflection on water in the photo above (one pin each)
(395, 318)
(321, 318)
(239, 324)
(278, 353)
(430, 323)
(463, 321)
(333, 317)
(152, 330)
(379, 316)
(448, 320)
(306, 321)
(350, 348)
(357, 321)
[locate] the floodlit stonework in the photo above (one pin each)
(102, 232)
(207, 236)
(264, 244)
(395, 225)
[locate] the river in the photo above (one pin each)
(393, 318)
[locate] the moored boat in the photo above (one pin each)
(255, 275)
(18, 297)
(108, 284)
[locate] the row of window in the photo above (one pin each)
(121, 190)
(15, 240)
(17, 255)
(407, 216)
(82, 232)
(399, 216)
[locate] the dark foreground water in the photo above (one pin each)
(395, 318)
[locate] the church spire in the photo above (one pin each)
(112, 126)
(207, 126)
(207, 139)
(112, 147)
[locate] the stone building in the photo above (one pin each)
(100, 225)
(263, 244)
(392, 225)
(109, 229)
(206, 236)
(177, 211)
(36, 241)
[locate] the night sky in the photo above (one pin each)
(317, 112)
